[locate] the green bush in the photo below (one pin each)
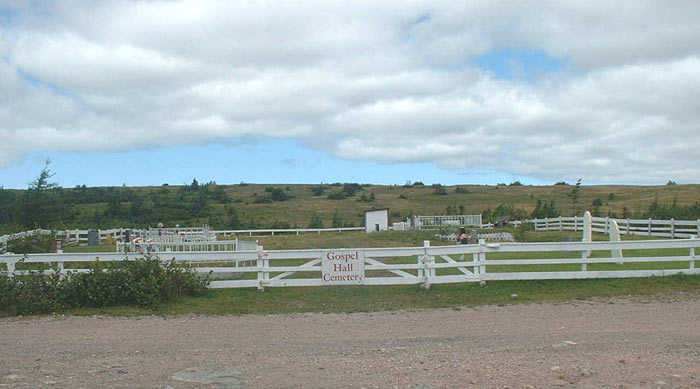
(338, 195)
(38, 243)
(142, 282)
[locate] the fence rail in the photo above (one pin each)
(165, 247)
(280, 231)
(643, 227)
(417, 265)
(421, 222)
(184, 234)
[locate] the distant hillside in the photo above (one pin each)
(284, 206)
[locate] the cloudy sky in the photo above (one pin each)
(147, 92)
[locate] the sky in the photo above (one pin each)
(452, 92)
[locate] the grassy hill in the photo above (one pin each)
(281, 205)
(421, 200)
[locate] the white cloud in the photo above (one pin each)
(389, 82)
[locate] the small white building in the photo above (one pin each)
(377, 220)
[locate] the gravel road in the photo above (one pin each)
(603, 343)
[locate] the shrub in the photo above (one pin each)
(143, 282)
(351, 188)
(315, 221)
(278, 194)
(318, 190)
(262, 200)
(31, 244)
(338, 195)
(461, 189)
(439, 190)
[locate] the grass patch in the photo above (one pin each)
(388, 298)
(103, 248)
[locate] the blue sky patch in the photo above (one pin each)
(231, 162)
(39, 83)
(422, 18)
(522, 64)
(6, 16)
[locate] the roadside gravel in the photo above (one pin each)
(634, 342)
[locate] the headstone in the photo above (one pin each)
(93, 238)
(614, 232)
(57, 246)
(473, 237)
(399, 226)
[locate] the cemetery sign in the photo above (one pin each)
(343, 267)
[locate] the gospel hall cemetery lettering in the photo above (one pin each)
(343, 267)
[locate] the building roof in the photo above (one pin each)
(377, 209)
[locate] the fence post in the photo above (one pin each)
(649, 227)
(628, 227)
(427, 263)
(11, 268)
(263, 275)
(673, 228)
(575, 223)
(560, 224)
(546, 224)
(420, 272)
(584, 256)
(482, 257)
(692, 254)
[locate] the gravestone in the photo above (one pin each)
(93, 238)
(473, 237)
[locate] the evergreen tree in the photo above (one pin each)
(41, 205)
(337, 220)
(315, 221)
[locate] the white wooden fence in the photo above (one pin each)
(281, 231)
(419, 265)
(78, 236)
(422, 222)
(183, 246)
(645, 227)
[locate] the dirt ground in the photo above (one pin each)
(632, 342)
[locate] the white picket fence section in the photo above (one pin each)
(282, 231)
(410, 265)
(180, 235)
(644, 227)
(79, 236)
(20, 235)
(168, 246)
(422, 222)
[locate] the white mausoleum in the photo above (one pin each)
(377, 220)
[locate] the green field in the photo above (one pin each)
(379, 298)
